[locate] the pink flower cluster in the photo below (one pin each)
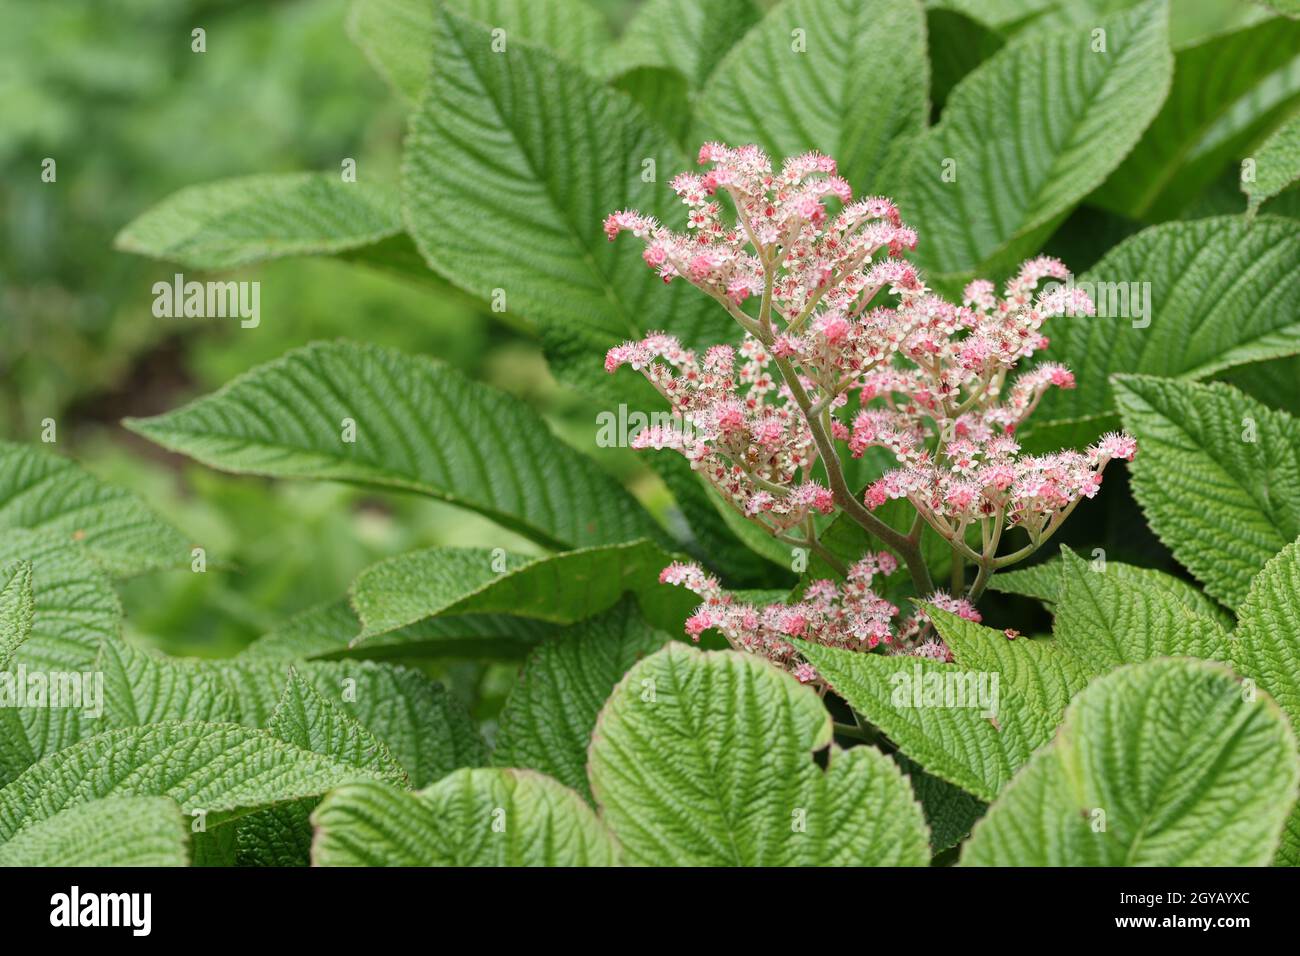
(848, 615)
(846, 350)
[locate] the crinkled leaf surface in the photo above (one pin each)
(845, 77)
(1224, 504)
(483, 817)
(419, 426)
(1019, 168)
(1157, 764)
(706, 758)
(117, 831)
(547, 720)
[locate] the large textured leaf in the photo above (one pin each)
(562, 589)
(419, 426)
(281, 835)
(1109, 619)
(688, 36)
(16, 608)
(1221, 292)
(43, 492)
(1165, 763)
(74, 605)
(850, 82)
(397, 35)
(958, 744)
(547, 721)
(425, 728)
(1267, 649)
(1277, 163)
(706, 758)
(328, 629)
(119, 831)
(950, 811)
(1227, 91)
(1031, 132)
(473, 818)
(223, 769)
(233, 222)
(512, 163)
(1217, 475)
(1040, 674)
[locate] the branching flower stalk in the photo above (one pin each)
(865, 356)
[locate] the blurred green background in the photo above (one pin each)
(113, 93)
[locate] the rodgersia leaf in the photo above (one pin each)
(564, 588)
(706, 758)
(472, 818)
(221, 769)
(234, 222)
(281, 835)
(118, 831)
(1108, 619)
(547, 721)
(1076, 114)
(397, 35)
(1267, 649)
(689, 37)
(845, 77)
(1228, 89)
(52, 496)
(1277, 163)
(75, 607)
(1218, 477)
(425, 728)
(16, 608)
(365, 414)
(1167, 763)
(1179, 300)
(512, 163)
(977, 745)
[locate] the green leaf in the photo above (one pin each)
(326, 631)
(1222, 292)
(1227, 91)
(419, 426)
(1277, 164)
(397, 35)
(706, 758)
(564, 588)
(1267, 648)
(547, 720)
(472, 818)
(957, 45)
(46, 493)
(233, 222)
(854, 80)
(1224, 505)
(16, 608)
(223, 769)
(1109, 619)
(950, 811)
(512, 163)
(74, 605)
(689, 37)
(1076, 114)
(147, 688)
(120, 831)
(1041, 674)
(1157, 764)
(958, 744)
(1041, 581)
(281, 835)
(426, 729)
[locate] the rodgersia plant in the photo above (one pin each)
(845, 349)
